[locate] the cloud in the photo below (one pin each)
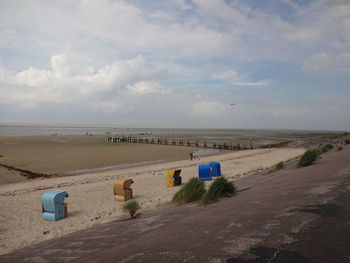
(304, 36)
(236, 79)
(59, 59)
(181, 4)
(324, 62)
(317, 61)
(145, 87)
(129, 27)
(220, 10)
(291, 3)
(199, 29)
(61, 84)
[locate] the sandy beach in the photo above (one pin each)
(91, 202)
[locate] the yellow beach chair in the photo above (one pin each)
(122, 189)
(173, 178)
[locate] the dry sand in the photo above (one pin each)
(91, 200)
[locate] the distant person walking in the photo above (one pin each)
(191, 156)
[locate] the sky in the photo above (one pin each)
(285, 64)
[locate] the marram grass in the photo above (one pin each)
(193, 190)
(218, 189)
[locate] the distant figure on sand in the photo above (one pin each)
(194, 155)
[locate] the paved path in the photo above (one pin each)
(269, 212)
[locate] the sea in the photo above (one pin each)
(54, 130)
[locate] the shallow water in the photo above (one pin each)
(26, 130)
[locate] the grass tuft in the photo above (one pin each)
(193, 190)
(308, 158)
(311, 156)
(218, 189)
(325, 148)
(131, 207)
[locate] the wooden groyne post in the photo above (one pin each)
(180, 142)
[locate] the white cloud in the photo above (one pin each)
(35, 77)
(219, 9)
(317, 61)
(323, 62)
(62, 65)
(97, 66)
(236, 79)
(305, 36)
(145, 87)
(61, 85)
(291, 3)
(181, 4)
(209, 29)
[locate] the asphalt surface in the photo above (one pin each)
(293, 215)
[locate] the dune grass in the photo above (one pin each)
(218, 189)
(325, 148)
(193, 190)
(308, 158)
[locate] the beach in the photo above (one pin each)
(91, 202)
(23, 157)
(61, 155)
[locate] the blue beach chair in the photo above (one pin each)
(53, 205)
(215, 169)
(204, 172)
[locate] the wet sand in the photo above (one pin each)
(91, 202)
(59, 155)
(74, 154)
